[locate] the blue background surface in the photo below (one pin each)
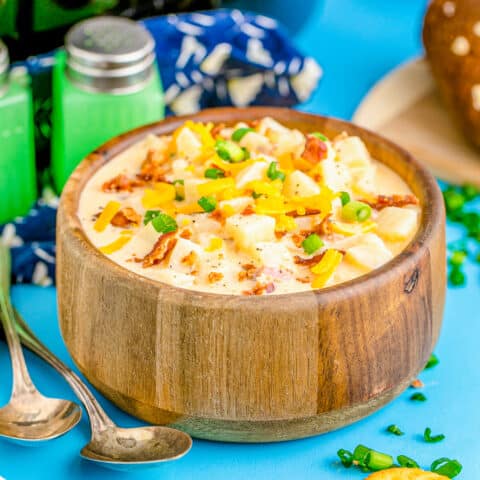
(356, 42)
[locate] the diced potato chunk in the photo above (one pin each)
(268, 127)
(369, 253)
(186, 256)
(256, 171)
(353, 152)
(273, 254)
(236, 205)
(293, 142)
(335, 175)
(191, 191)
(248, 230)
(299, 184)
(397, 224)
(141, 243)
(178, 169)
(255, 141)
(188, 145)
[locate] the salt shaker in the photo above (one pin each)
(105, 82)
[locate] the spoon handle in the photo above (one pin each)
(22, 383)
(99, 420)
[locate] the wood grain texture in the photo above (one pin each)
(252, 369)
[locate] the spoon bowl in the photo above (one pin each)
(31, 417)
(111, 446)
(123, 448)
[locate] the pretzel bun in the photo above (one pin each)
(451, 35)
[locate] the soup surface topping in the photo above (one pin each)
(249, 209)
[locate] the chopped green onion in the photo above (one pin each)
(447, 467)
(256, 195)
(456, 277)
(273, 173)
(432, 362)
(230, 151)
(312, 243)
(360, 455)
(239, 133)
(470, 191)
(407, 462)
(150, 215)
(418, 397)
(395, 429)
(208, 203)
(180, 191)
(356, 211)
(378, 460)
(457, 258)
(427, 436)
(164, 223)
(214, 173)
(319, 135)
(346, 457)
(345, 198)
(453, 200)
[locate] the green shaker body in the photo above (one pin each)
(17, 152)
(84, 120)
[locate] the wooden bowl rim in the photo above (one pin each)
(432, 210)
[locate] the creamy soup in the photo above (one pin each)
(253, 209)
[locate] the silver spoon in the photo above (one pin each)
(29, 416)
(112, 446)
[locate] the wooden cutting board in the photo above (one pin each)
(405, 107)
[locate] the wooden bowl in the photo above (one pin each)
(252, 369)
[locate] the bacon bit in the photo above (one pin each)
(126, 217)
(121, 183)
(417, 384)
(248, 210)
(186, 234)
(280, 235)
(218, 216)
(324, 227)
(303, 280)
(214, 277)
(253, 123)
(315, 150)
(190, 259)
(270, 287)
(308, 211)
(154, 167)
(298, 238)
(162, 247)
(383, 201)
(250, 271)
(260, 289)
(217, 129)
(308, 262)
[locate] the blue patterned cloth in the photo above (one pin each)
(214, 58)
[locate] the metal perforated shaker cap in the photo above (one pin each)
(109, 54)
(4, 64)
